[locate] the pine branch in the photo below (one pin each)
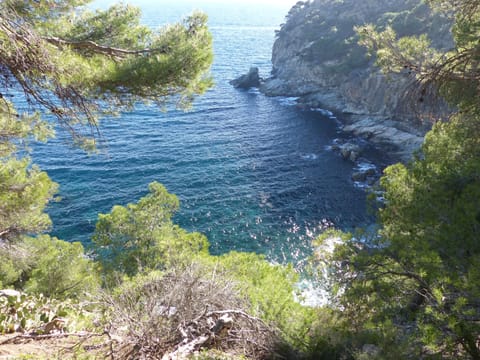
(100, 49)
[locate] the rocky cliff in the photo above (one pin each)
(316, 57)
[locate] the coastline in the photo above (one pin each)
(400, 139)
(317, 57)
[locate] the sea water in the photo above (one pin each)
(252, 173)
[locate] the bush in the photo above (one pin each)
(272, 294)
(142, 237)
(45, 265)
(37, 314)
(14, 264)
(61, 269)
(180, 312)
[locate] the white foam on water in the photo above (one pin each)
(312, 294)
(254, 90)
(309, 156)
(324, 112)
(288, 101)
(315, 292)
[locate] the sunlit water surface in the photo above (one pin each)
(253, 173)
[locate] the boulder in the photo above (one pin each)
(364, 175)
(359, 176)
(349, 151)
(247, 81)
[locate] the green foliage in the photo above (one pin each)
(272, 292)
(39, 11)
(432, 212)
(61, 269)
(124, 29)
(328, 337)
(415, 282)
(142, 237)
(19, 128)
(24, 193)
(117, 61)
(406, 52)
(40, 315)
(24, 189)
(418, 276)
(14, 264)
(186, 50)
(45, 265)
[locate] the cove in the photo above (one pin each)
(252, 173)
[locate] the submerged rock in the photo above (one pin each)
(247, 81)
(364, 175)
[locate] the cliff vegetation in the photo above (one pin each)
(148, 289)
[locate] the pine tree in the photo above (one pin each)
(419, 275)
(60, 60)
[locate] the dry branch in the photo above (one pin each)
(178, 314)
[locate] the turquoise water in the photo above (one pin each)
(252, 173)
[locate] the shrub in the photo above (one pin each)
(45, 265)
(180, 312)
(272, 294)
(61, 269)
(142, 237)
(37, 314)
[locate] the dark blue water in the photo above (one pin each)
(252, 173)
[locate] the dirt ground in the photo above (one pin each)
(59, 347)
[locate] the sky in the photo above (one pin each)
(285, 5)
(273, 2)
(286, 2)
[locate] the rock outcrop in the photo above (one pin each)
(316, 57)
(247, 81)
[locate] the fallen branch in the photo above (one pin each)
(220, 329)
(184, 351)
(208, 316)
(236, 312)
